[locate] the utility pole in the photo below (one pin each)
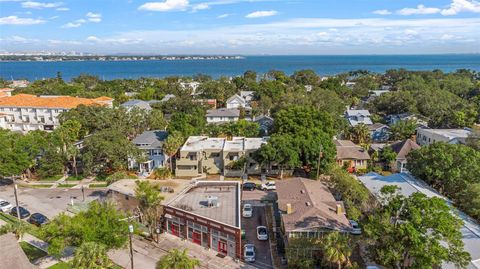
(83, 193)
(130, 232)
(16, 199)
(319, 159)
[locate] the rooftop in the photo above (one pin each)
(360, 112)
(11, 254)
(200, 143)
(449, 133)
(313, 206)
(346, 149)
(376, 126)
(136, 103)
(402, 148)
(151, 139)
(223, 112)
(28, 100)
(195, 201)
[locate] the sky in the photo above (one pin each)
(241, 27)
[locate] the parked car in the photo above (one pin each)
(38, 219)
(249, 253)
(5, 206)
(249, 186)
(269, 186)
(262, 233)
(247, 211)
(24, 213)
(356, 230)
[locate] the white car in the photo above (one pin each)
(5, 206)
(356, 230)
(262, 233)
(269, 186)
(249, 253)
(247, 211)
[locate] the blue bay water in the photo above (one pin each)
(323, 65)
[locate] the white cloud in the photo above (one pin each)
(223, 16)
(382, 12)
(419, 10)
(260, 14)
(20, 39)
(62, 9)
(72, 25)
(14, 20)
(458, 6)
(93, 38)
(40, 5)
(447, 37)
(167, 5)
(94, 17)
(200, 6)
(63, 42)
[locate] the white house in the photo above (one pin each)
(140, 104)
(451, 136)
(236, 101)
(152, 144)
(356, 117)
(222, 115)
(26, 112)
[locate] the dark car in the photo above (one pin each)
(38, 219)
(23, 212)
(249, 186)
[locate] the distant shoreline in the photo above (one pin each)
(71, 58)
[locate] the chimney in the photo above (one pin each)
(339, 209)
(289, 209)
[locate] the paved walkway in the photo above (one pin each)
(146, 254)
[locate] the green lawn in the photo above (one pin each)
(75, 178)
(36, 186)
(32, 252)
(8, 218)
(52, 178)
(98, 185)
(66, 185)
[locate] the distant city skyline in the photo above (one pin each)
(241, 27)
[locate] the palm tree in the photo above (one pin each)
(336, 249)
(91, 255)
(19, 228)
(171, 145)
(361, 133)
(176, 259)
(149, 202)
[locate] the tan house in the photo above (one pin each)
(309, 209)
(351, 156)
(403, 148)
(204, 155)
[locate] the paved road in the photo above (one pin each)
(49, 202)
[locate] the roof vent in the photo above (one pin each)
(212, 201)
(308, 203)
(302, 191)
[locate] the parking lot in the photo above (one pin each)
(263, 253)
(49, 202)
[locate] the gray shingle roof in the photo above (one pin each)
(11, 254)
(223, 112)
(347, 150)
(154, 139)
(136, 103)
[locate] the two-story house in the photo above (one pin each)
(222, 115)
(204, 155)
(26, 112)
(151, 142)
(452, 136)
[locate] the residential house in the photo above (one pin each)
(236, 101)
(4, 92)
(379, 132)
(19, 83)
(207, 213)
(351, 156)
(451, 136)
(139, 104)
(3, 121)
(26, 112)
(356, 117)
(151, 142)
(167, 97)
(265, 122)
(394, 118)
(308, 209)
(403, 148)
(201, 154)
(222, 115)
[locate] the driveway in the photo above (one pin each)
(263, 255)
(49, 202)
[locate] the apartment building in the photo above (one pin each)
(232, 157)
(26, 112)
(451, 136)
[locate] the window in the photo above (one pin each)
(214, 155)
